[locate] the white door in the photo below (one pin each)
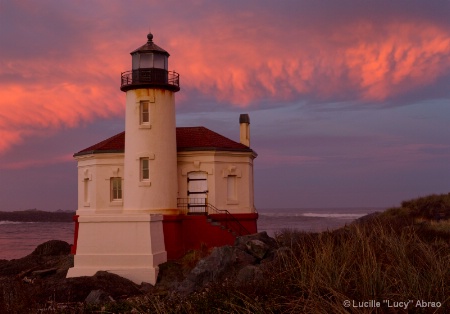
(197, 191)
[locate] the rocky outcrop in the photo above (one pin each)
(52, 248)
(242, 260)
(51, 254)
(98, 297)
(37, 280)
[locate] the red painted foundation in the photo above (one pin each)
(73, 248)
(189, 232)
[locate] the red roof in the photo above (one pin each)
(188, 139)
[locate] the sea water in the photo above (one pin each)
(18, 239)
(309, 219)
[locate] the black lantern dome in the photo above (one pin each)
(150, 69)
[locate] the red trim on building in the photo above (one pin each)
(73, 249)
(189, 232)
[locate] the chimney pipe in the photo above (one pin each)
(244, 126)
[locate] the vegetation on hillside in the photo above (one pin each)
(391, 262)
(375, 264)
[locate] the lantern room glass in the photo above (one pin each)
(149, 60)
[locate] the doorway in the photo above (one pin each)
(197, 192)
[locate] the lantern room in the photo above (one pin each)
(149, 69)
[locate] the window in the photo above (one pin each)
(116, 188)
(144, 112)
(231, 189)
(145, 171)
(86, 191)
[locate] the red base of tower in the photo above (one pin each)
(189, 232)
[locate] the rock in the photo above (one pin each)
(52, 248)
(98, 297)
(248, 274)
(41, 276)
(223, 262)
(44, 272)
(259, 245)
(241, 258)
(208, 269)
(257, 248)
(261, 236)
(28, 280)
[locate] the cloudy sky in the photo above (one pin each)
(349, 100)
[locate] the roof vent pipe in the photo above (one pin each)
(244, 125)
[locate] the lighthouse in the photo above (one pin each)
(150, 182)
(124, 234)
(156, 191)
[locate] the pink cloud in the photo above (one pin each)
(242, 61)
(367, 61)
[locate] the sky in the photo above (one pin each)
(349, 100)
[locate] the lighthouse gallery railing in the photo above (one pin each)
(150, 76)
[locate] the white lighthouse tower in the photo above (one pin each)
(123, 234)
(150, 183)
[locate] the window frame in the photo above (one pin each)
(144, 169)
(144, 115)
(116, 189)
(232, 189)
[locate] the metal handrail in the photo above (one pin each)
(201, 206)
(192, 205)
(229, 218)
(150, 76)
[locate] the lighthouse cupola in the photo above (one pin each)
(150, 69)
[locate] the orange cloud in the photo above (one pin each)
(25, 109)
(370, 62)
(240, 62)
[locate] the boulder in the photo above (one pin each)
(248, 274)
(44, 272)
(259, 245)
(207, 269)
(98, 297)
(241, 259)
(257, 248)
(260, 236)
(52, 248)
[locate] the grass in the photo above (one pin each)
(399, 255)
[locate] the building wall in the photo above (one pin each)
(219, 166)
(181, 232)
(97, 170)
(94, 187)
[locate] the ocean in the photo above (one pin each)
(18, 239)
